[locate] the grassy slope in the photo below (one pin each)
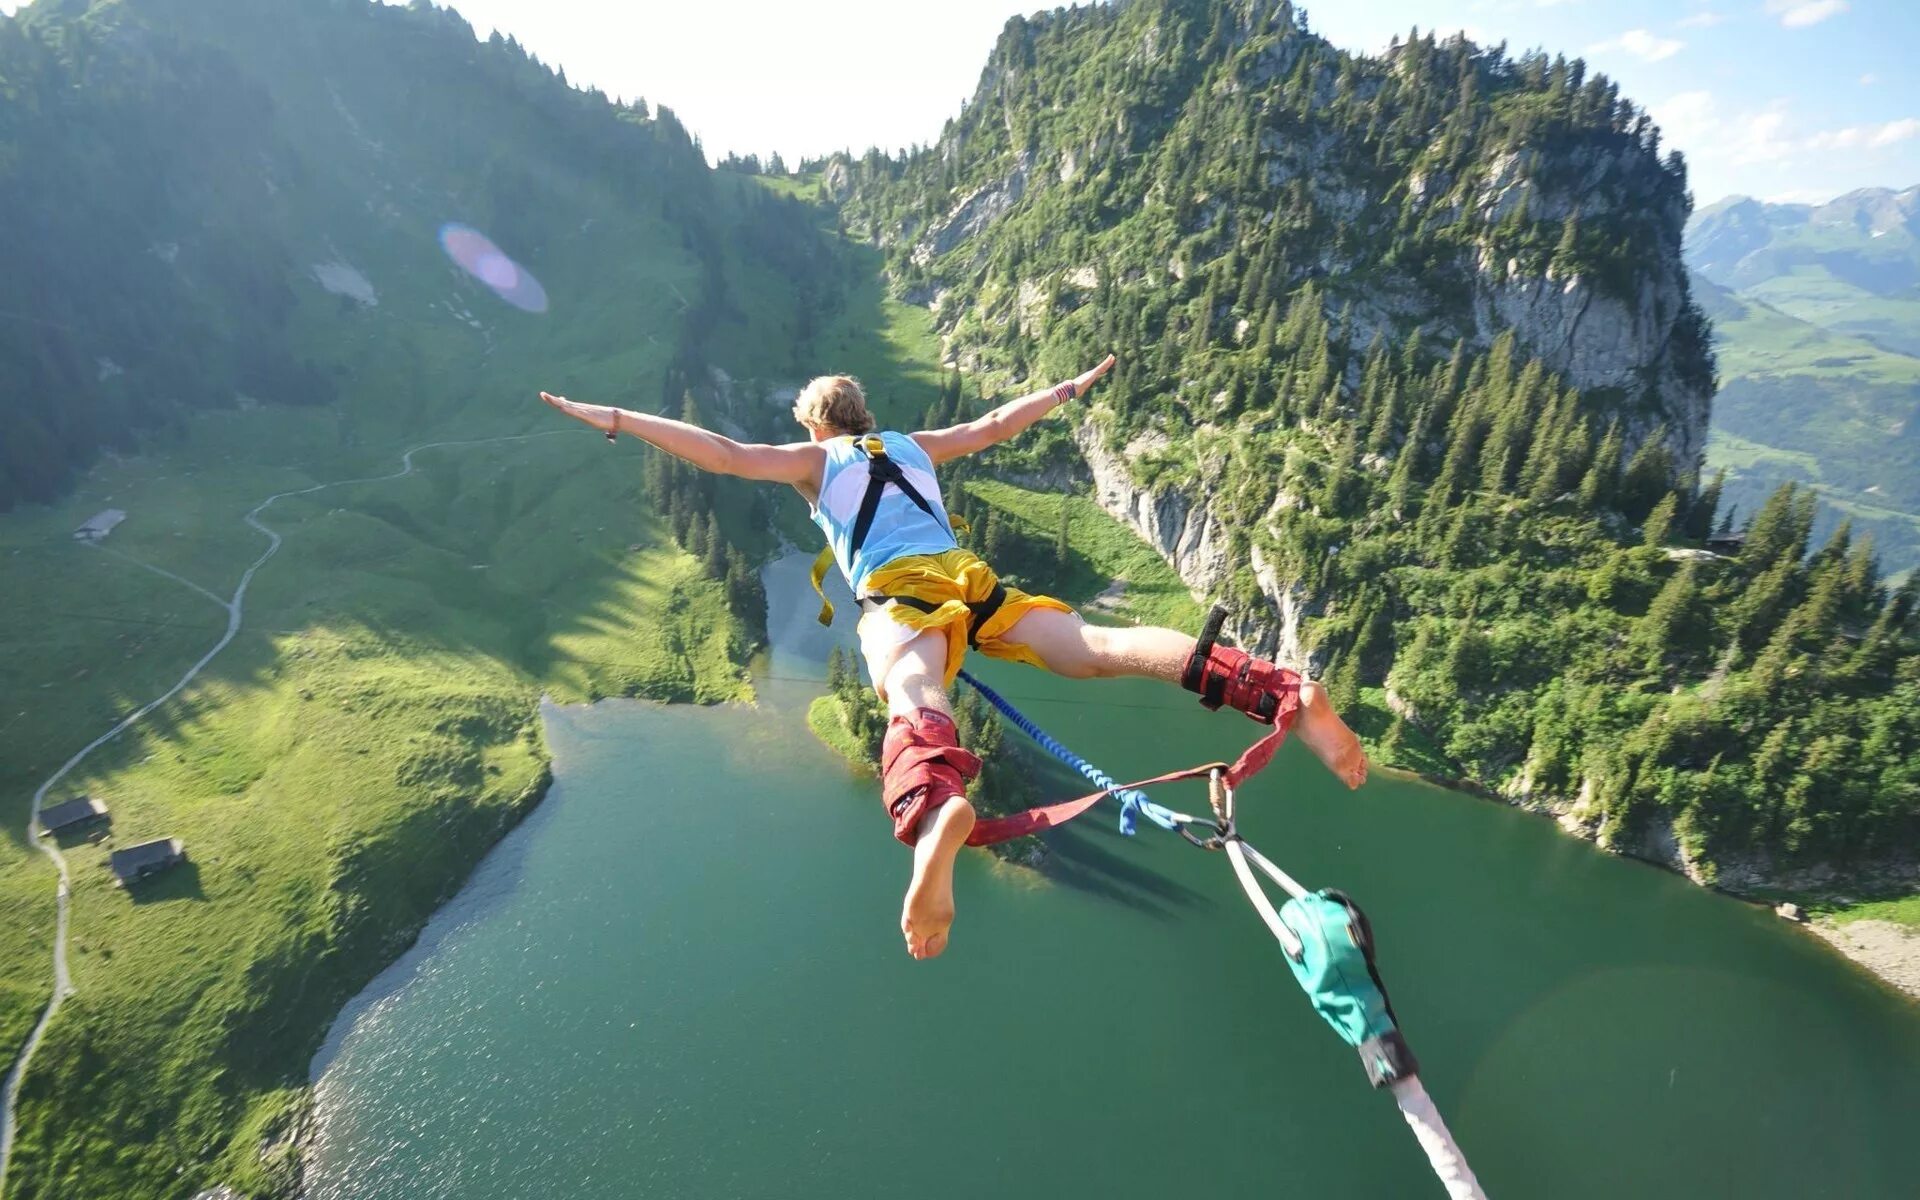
(334, 773)
(828, 721)
(341, 765)
(1801, 402)
(1903, 911)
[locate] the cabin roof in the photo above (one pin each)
(133, 861)
(71, 812)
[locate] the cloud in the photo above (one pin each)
(1693, 122)
(1871, 137)
(1640, 44)
(1687, 117)
(1869, 79)
(1798, 14)
(1702, 20)
(1799, 196)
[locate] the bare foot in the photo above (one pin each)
(928, 912)
(1329, 738)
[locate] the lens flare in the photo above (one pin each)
(480, 258)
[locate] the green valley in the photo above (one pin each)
(1816, 316)
(213, 325)
(1411, 374)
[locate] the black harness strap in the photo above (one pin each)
(1211, 685)
(882, 472)
(982, 612)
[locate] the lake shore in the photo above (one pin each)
(1888, 949)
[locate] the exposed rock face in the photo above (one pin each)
(1595, 337)
(1614, 319)
(1178, 522)
(973, 212)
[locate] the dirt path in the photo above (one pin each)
(62, 980)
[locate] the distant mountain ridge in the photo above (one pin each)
(1816, 312)
(1838, 264)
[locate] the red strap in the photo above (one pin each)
(1005, 829)
(1254, 758)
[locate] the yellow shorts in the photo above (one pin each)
(951, 581)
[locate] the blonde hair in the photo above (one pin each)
(834, 403)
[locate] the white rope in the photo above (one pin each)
(1431, 1132)
(1237, 854)
(1428, 1129)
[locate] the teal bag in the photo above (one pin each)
(1335, 968)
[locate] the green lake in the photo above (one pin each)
(683, 976)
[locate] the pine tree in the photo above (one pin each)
(1598, 489)
(714, 561)
(992, 538)
(1701, 513)
(1660, 521)
(1400, 484)
(1648, 477)
(1343, 683)
(1380, 435)
(695, 540)
(1394, 740)
(1758, 608)
(1467, 655)
(1062, 546)
(1776, 531)
(1671, 627)
(1566, 255)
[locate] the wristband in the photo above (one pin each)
(613, 434)
(1065, 392)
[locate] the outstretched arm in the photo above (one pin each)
(797, 463)
(1004, 422)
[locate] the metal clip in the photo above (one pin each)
(1220, 795)
(1217, 840)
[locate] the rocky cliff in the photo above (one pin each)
(1464, 212)
(1411, 376)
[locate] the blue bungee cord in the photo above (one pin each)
(1133, 803)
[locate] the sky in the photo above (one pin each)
(1794, 100)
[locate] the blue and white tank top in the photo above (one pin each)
(899, 526)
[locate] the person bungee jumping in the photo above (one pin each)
(925, 602)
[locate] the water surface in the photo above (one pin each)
(682, 976)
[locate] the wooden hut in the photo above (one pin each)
(135, 863)
(71, 814)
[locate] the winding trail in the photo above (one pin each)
(62, 979)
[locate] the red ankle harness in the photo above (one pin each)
(1223, 675)
(922, 767)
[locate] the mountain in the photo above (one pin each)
(224, 281)
(1851, 265)
(1441, 188)
(1816, 312)
(1411, 374)
(193, 204)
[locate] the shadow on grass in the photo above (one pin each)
(84, 835)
